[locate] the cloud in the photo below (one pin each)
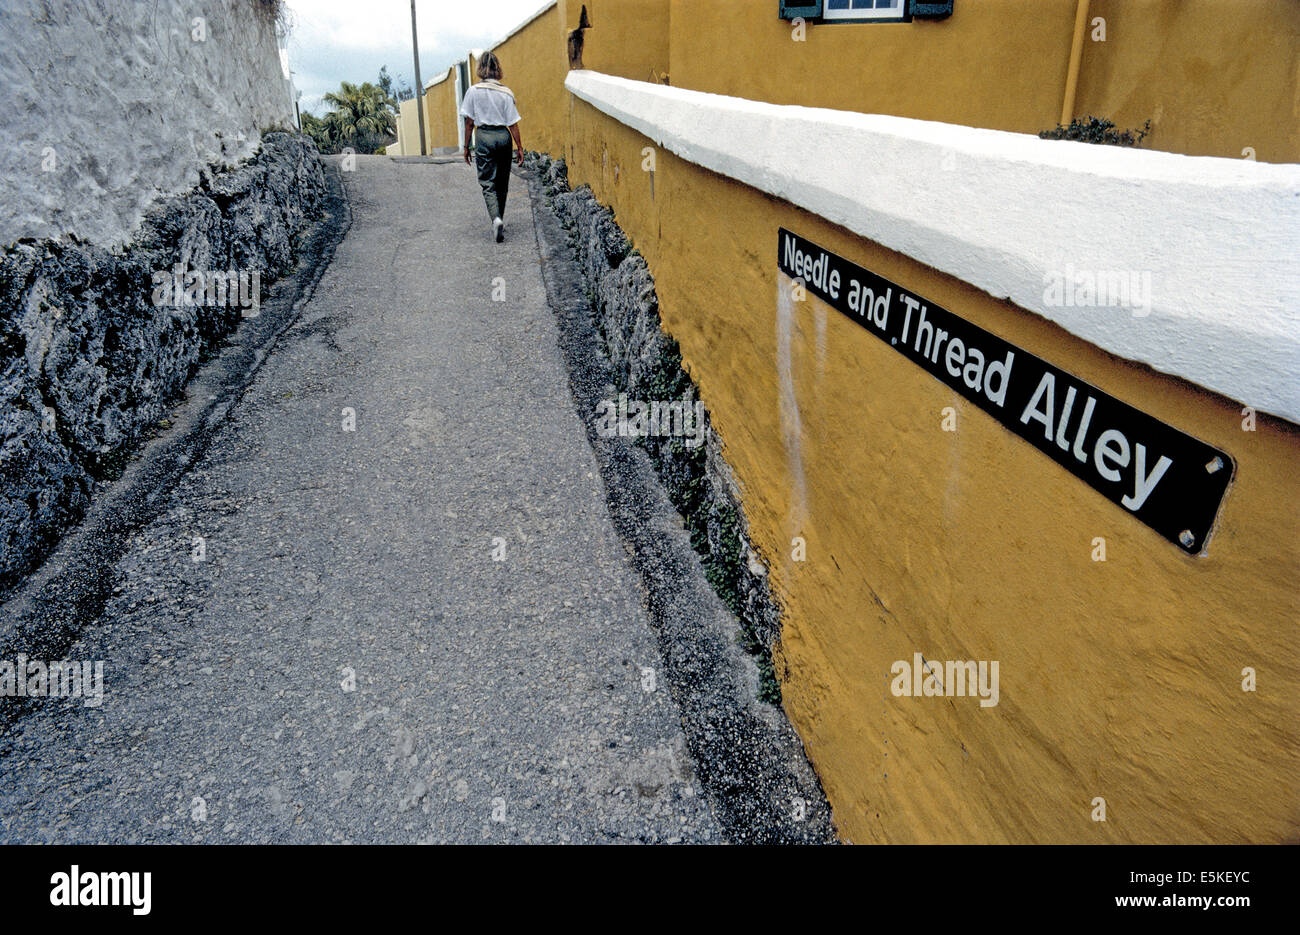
(331, 41)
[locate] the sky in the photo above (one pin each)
(350, 40)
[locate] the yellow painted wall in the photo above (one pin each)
(441, 113)
(440, 117)
(408, 129)
(628, 38)
(535, 63)
(994, 63)
(1215, 76)
(1182, 66)
(1119, 679)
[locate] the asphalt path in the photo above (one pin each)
(386, 601)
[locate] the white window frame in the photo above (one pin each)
(897, 14)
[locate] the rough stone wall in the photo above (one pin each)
(89, 362)
(111, 104)
(648, 366)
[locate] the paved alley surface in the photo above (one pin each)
(494, 700)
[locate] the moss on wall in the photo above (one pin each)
(1214, 78)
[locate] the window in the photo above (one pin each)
(865, 9)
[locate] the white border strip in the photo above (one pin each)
(1216, 239)
(434, 82)
(520, 28)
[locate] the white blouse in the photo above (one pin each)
(489, 107)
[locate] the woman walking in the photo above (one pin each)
(492, 118)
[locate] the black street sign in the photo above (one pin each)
(1170, 481)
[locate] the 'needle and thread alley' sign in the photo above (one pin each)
(1172, 482)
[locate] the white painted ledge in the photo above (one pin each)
(522, 25)
(1005, 212)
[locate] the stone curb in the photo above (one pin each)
(748, 757)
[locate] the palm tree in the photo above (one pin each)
(314, 127)
(361, 117)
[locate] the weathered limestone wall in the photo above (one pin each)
(110, 105)
(89, 361)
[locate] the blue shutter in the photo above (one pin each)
(925, 9)
(808, 9)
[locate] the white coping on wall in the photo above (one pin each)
(520, 28)
(1014, 214)
(440, 79)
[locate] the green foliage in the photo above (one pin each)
(715, 530)
(362, 118)
(398, 92)
(1097, 130)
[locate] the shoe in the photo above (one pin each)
(499, 226)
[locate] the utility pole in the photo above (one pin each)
(419, 85)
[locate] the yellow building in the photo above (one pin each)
(442, 101)
(408, 131)
(442, 127)
(1145, 639)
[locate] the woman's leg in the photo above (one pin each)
(488, 143)
(503, 154)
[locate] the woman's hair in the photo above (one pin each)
(489, 66)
